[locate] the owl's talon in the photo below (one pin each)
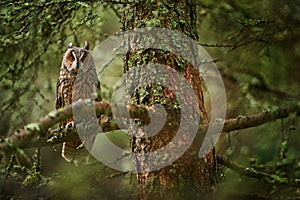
(70, 125)
(80, 146)
(59, 129)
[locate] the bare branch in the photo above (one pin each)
(266, 116)
(251, 172)
(21, 138)
(37, 134)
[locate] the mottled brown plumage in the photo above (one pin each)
(77, 80)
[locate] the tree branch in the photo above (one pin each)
(251, 172)
(266, 116)
(37, 134)
(21, 138)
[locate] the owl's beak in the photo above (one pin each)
(75, 66)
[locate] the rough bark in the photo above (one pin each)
(188, 177)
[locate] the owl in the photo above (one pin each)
(78, 69)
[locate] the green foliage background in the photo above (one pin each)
(256, 45)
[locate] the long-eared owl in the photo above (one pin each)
(77, 68)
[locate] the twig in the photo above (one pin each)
(251, 172)
(285, 136)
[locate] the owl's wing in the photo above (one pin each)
(58, 99)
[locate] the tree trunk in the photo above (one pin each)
(189, 177)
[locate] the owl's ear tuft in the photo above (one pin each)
(70, 45)
(86, 45)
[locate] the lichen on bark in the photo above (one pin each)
(188, 173)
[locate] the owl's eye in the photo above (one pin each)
(72, 58)
(83, 57)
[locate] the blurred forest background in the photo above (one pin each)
(256, 46)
